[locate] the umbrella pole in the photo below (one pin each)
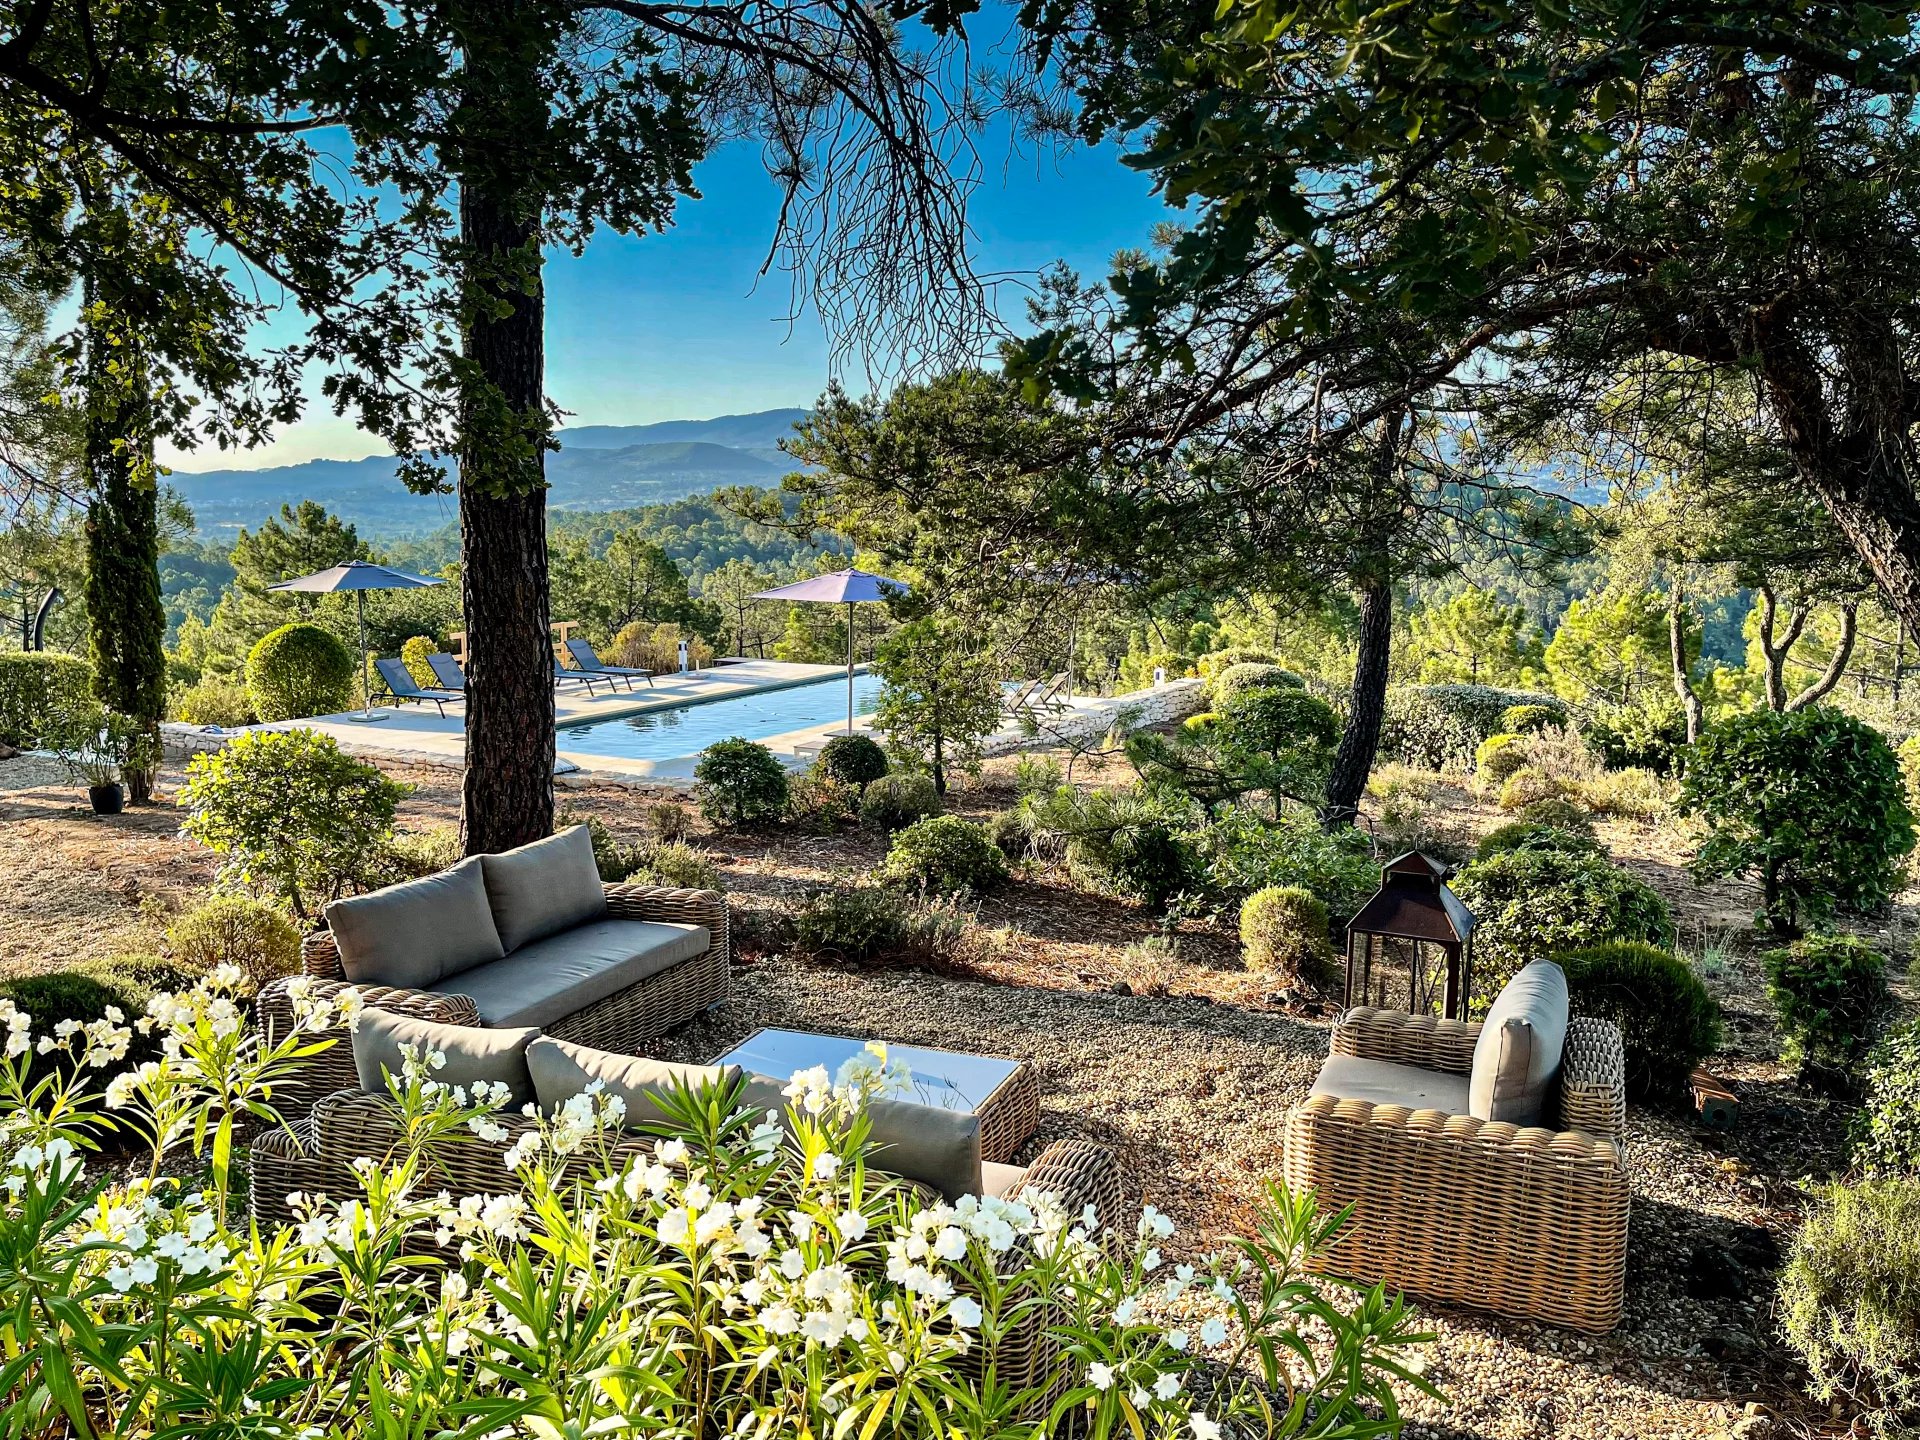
(366, 681)
(849, 667)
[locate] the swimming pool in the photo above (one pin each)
(689, 729)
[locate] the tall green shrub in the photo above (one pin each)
(300, 670)
(1438, 727)
(1668, 1020)
(1829, 992)
(1810, 801)
(944, 855)
(1283, 934)
(1886, 1132)
(40, 692)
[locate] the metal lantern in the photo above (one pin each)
(1413, 906)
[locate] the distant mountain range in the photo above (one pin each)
(598, 467)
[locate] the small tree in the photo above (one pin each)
(939, 700)
(291, 814)
(1809, 800)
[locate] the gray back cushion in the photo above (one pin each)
(1517, 1057)
(416, 934)
(939, 1148)
(561, 1070)
(472, 1053)
(544, 888)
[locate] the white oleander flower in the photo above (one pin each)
(1100, 1376)
(1214, 1332)
(965, 1312)
(1166, 1387)
(1203, 1428)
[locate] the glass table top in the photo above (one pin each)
(945, 1078)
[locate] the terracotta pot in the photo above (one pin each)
(107, 799)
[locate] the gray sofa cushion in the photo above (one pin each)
(543, 888)
(1517, 1056)
(416, 934)
(1381, 1082)
(561, 1070)
(473, 1054)
(940, 1148)
(546, 981)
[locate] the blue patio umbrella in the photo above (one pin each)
(841, 587)
(358, 576)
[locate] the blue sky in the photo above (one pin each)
(672, 326)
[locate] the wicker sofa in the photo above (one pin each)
(685, 973)
(1528, 1221)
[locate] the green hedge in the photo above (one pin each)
(1438, 727)
(35, 690)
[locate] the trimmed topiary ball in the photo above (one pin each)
(1283, 933)
(1238, 678)
(1498, 756)
(1526, 719)
(944, 855)
(257, 937)
(1668, 1020)
(1518, 835)
(895, 801)
(297, 671)
(740, 783)
(853, 760)
(1560, 813)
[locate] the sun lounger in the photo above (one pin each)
(564, 676)
(447, 671)
(585, 659)
(397, 685)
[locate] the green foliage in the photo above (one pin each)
(1473, 639)
(1438, 727)
(680, 865)
(1036, 775)
(896, 801)
(413, 654)
(1283, 932)
(740, 783)
(1263, 738)
(612, 857)
(39, 692)
(255, 936)
(1812, 801)
(126, 617)
(1830, 992)
(290, 814)
(1497, 757)
(1522, 835)
(1650, 734)
(853, 759)
(1611, 649)
(940, 697)
(1531, 903)
(214, 700)
(300, 670)
(1668, 1020)
(1244, 853)
(855, 925)
(1008, 830)
(1214, 661)
(1559, 813)
(1249, 675)
(1850, 1299)
(823, 802)
(1886, 1132)
(944, 855)
(415, 854)
(84, 993)
(1152, 863)
(1526, 719)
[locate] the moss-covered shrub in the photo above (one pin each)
(300, 670)
(1438, 727)
(1518, 835)
(1850, 1299)
(896, 801)
(1531, 903)
(856, 760)
(1668, 1020)
(38, 692)
(254, 935)
(1830, 992)
(1236, 679)
(944, 855)
(213, 700)
(1283, 934)
(740, 783)
(1886, 1132)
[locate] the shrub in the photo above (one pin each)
(740, 783)
(680, 865)
(1530, 903)
(300, 670)
(896, 801)
(1036, 775)
(1648, 736)
(1829, 992)
(1886, 1132)
(1214, 661)
(83, 994)
(1561, 813)
(1519, 835)
(1668, 1020)
(614, 858)
(1811, 801)
(291, 814)
(1235, 679)
(944, 854)
(1152, 864)
(850, 925)
(413, 654)
(1244, 853)
(1283, 932)
(853, 760)
(1630, 794)
(38, 691)
(253, 935)
(1409, 820)
(1498, 756)
(821, 802)
(1850, 1298)
(415, 854)
(1008, 830)
(656, 647)
(1438, 727)
(213, 700)
(1526, 719)
(669, 821)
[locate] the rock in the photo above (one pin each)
(7, 752)
(1121, 987)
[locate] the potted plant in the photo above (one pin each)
(95, 746)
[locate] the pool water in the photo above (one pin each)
(689, 729)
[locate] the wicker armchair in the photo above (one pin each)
(623, 1022)
(1525, 1222)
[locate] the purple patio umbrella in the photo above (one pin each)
(358, 576)
(842, 587)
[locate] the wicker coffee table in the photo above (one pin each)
(1005, 1094)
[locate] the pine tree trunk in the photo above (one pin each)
(1367, 702)
(1677, 658)
(508, 790)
